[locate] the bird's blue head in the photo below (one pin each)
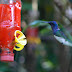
(54, 26)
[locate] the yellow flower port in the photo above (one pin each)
(20, 40)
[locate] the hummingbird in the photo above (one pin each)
(59, 35)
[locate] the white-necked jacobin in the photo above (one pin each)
(59, 35)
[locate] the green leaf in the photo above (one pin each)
(38, 23)
(23, 30)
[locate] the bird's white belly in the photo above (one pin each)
(62, 40)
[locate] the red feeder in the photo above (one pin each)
(10, 21)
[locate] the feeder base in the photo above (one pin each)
(7, 57)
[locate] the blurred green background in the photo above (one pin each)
(49, 55)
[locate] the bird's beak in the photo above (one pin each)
(49, 22)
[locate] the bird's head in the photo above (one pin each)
(54, 25)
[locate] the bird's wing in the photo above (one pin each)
(61, 37)
(59, 33)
